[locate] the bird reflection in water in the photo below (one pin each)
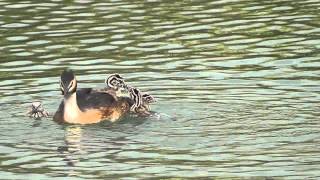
(72, 147)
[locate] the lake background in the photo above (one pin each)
(237, 84)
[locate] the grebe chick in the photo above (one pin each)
(116, 82)
(138, 106)
(147, 99)
(37, 111)
(115, 85)
(85, 106)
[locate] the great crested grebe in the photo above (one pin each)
(115, 85)
(147, 99)
(37, 111)
(141, 101)
(136, 96)
(86, 106)
(115, 82)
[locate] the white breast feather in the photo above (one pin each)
(71, 109)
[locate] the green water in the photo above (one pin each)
(237, 84)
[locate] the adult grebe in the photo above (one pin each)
(86, 106)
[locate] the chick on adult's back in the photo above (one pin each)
(86, 106)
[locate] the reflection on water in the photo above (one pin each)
(237, 84)
(73, 143)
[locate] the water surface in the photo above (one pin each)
(237, 84)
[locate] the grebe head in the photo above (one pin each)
(136, 96)
(115, 81)
(148, 98)
(68, 82)
(35, 106)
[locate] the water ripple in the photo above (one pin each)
(237, 84)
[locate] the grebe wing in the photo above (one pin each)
(84, 91)
(89, 98)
